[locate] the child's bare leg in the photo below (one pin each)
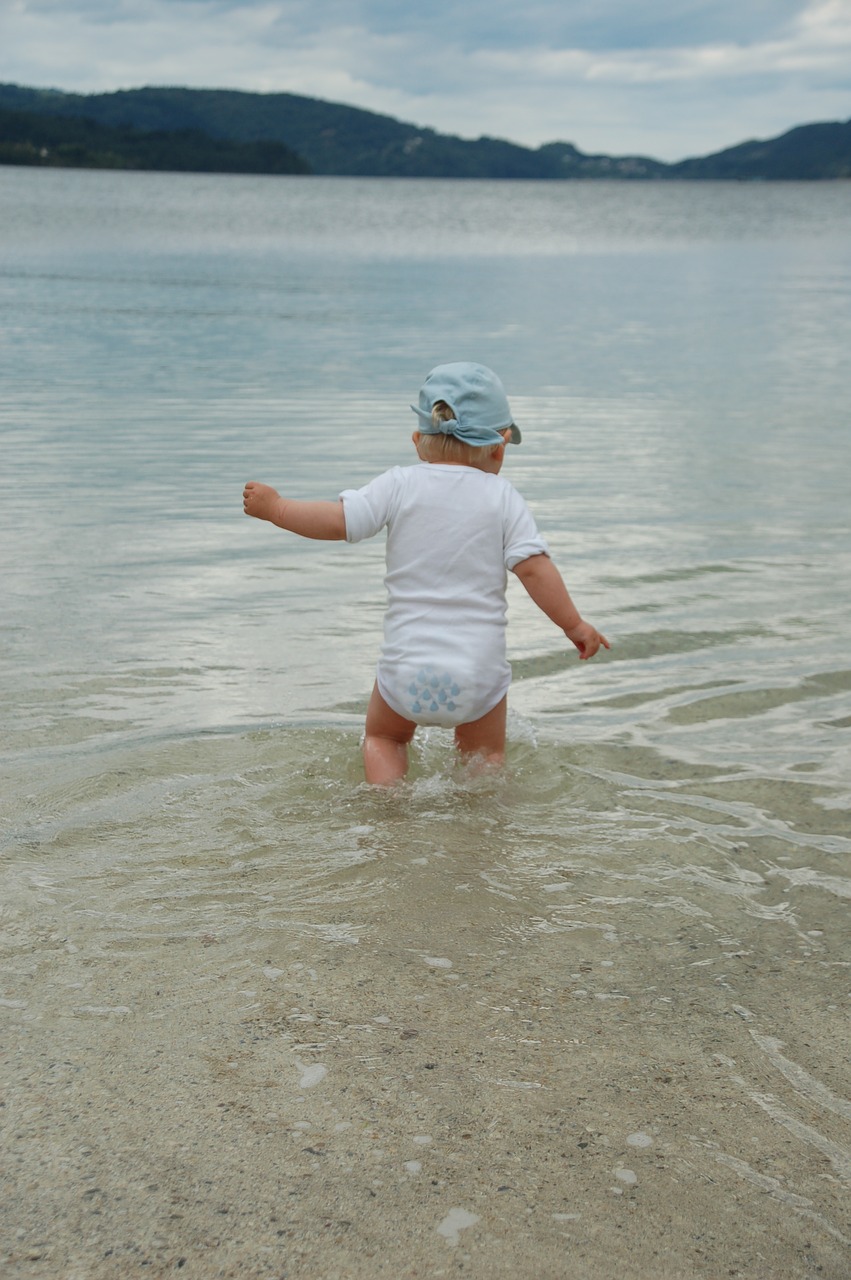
(385, 744)
(485, 738)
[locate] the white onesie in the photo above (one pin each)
(452, 532)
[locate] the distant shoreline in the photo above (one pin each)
(230, 131)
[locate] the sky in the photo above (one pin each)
(661, 78)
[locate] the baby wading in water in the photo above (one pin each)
(454, 529)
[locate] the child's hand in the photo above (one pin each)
(260, 500)
(587, 639)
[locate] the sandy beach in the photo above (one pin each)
(452, 1072)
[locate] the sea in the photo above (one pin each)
(182, 690)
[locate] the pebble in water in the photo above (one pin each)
(311, 1075)
(456, 1221)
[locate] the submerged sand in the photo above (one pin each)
(484, 1093)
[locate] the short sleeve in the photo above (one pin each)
(367, 510)
(521, 538)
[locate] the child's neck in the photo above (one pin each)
(490, 465)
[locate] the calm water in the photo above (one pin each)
(183, 689)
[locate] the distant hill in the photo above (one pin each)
(31, 138)
(217, 129)
(808, 152)
(331, 138)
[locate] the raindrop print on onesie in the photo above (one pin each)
(433, 691)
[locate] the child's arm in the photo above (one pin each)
(546, 586)
(309, 519)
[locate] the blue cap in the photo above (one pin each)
(477, 399)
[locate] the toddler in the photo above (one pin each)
(454, 527)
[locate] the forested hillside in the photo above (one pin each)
(32, 138)
(217, 129)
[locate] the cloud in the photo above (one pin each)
(818, 41)
(668, 78)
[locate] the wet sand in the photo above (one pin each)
(498, 1089)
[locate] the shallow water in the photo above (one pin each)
(639, 930)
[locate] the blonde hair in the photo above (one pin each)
(446, 448)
